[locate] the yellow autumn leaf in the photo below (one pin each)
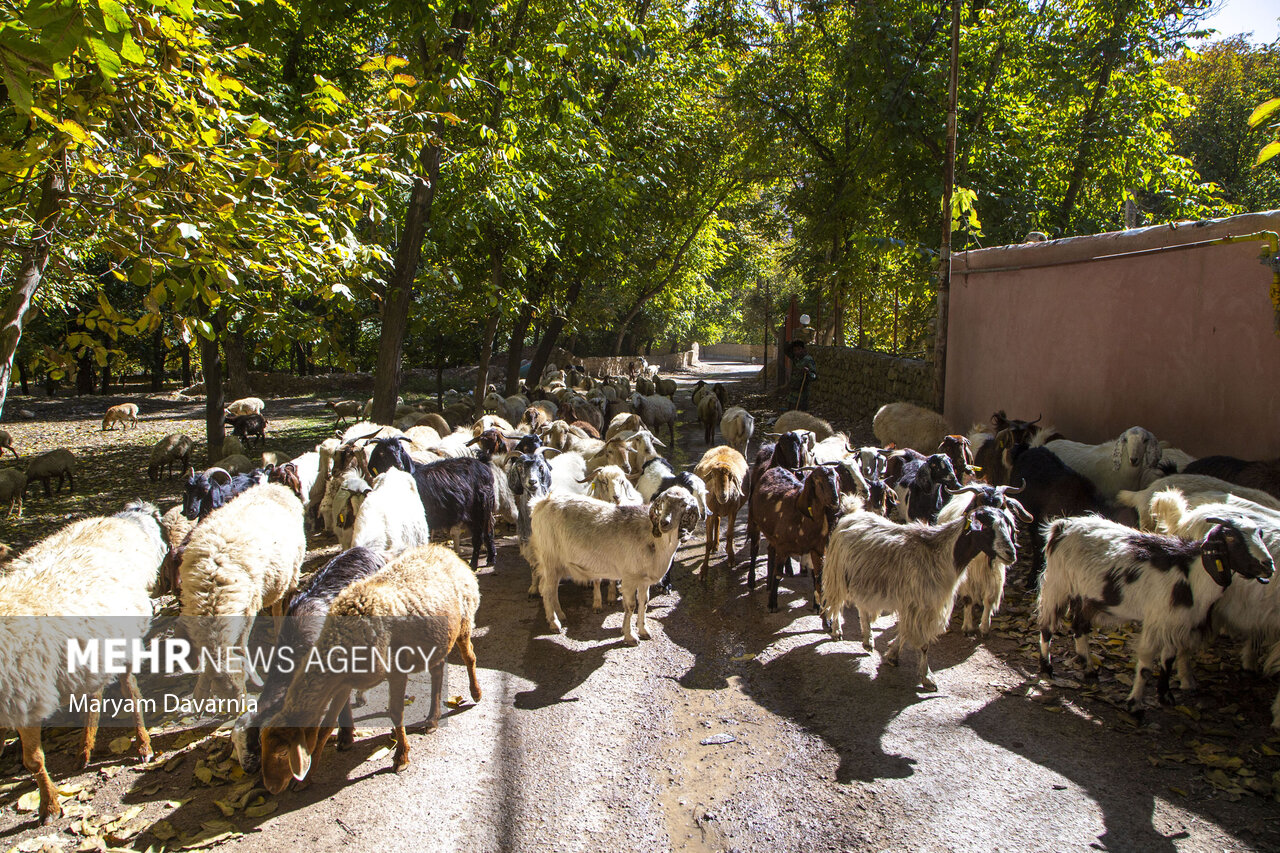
(120, 745)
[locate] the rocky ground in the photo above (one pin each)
(732, 729)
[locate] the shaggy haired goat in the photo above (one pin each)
(1109, 574)
(1112, 465)
(909, 569)
(983, 584)
(909, 425)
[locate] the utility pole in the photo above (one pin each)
(948, 184)
(768, 325)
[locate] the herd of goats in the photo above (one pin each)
(1130, 530)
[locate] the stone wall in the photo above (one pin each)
(856, 382)
(618, 365)
(738, 352)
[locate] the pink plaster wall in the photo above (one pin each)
(1181, 342)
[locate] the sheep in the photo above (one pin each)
(123, 414)
(6, 443)
(60, 463)
(246, 406)
(454, 492)
(487, 422)
(575, 409)
(302, 624)
(204, 492)
(645, 386)
(245, 427)
(1197, 489)
(236, 464)
(623, 423)
(433, 421)
(710, 412)
(656, 411)
(724, 471)
(13, 488)
(798, 420)
(587, 540)
(423, 604)
(983, 583)
(1110, 574)
(665, 388)
(92, 579)
(795, 514)
(1113, 465)
(231, 446)
(568, 473)
(390, 518)
(737, 426)
(1263, 476)
(344, 410)
(173, 448)
(909, 569)
(243, 558)
(909, 425)
(458, 415)
(534, 420)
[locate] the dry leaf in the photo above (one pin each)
(262, 810)
(163, 830)
(120, 745)
(453, 701)
(29, 801)
(380, 752)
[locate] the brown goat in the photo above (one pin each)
(796, 517)
(960, 452)
(588, 428)
(724, 470)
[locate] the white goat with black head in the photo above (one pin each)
(1109, 574)
(909, 569)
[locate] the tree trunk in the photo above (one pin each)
(157, 358)
(554, 327)
(215, 403)
(518, 331)
(394, 314)
(84, 374)
(22, 377)
(106, 377)
(53, 194)
(237, 366)
(186, 365)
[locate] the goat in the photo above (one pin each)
(1112, 465)
(204, 492)
(245, 427)
(1109, 574)
(1263, 476)
(710, 411)
(795, 515)
(724, 471)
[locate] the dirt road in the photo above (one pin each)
(583, 744)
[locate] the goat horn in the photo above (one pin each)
(545, 449)
(771, 435)
(212, 473)
(1037, 420)
(960, 491)
(587, 480)
(1217, 519)
(1013, 490)
(473, 441)
(373, 434)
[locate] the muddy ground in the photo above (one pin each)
(581, 743)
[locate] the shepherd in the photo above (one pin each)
(804, 371)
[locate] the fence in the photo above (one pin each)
(1159, 327)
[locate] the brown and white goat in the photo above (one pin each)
(796, 516)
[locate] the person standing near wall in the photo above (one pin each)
(804, 371)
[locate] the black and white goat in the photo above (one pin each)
(205, 491)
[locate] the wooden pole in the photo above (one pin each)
(948, 185)
(768, 326)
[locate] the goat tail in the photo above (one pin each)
(1168, 506)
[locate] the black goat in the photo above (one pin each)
(1050, 490)
(298, 634)
(204, 492)
(245, 427)
(1261, 475)
(454, 492)
(922, 486)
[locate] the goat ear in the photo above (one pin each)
(1117, 453)
(1154, 453)
(299, 761)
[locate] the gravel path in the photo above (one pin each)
(582, 744)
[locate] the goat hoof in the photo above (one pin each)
(866, 644)
(643, 634)
(597, 608)
(630, 640)
(400, 761)
(476, 693)
(1166, 698)
(145, 755)
(1046, 667)
(928, 684)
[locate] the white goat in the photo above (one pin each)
(390, 517)
(737, 426)
(1114, 574)
(587, 540)
(910, 569)
(1197, 489)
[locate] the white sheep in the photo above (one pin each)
(737, 426)
(587, 540)
(236, 463)
(909, 569)
(390, 518)
(246, 406)
(623, 422)
(909, 425)
(231, 446)
(1109, 574)
(1197, 489)
(1112, 465)
(92, 579)
(796, 419)
(344, 410)
(244, 557)
(412, 612)
(656, 411)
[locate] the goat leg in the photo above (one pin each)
(90, 733)
(130, 685)
(33, 760)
